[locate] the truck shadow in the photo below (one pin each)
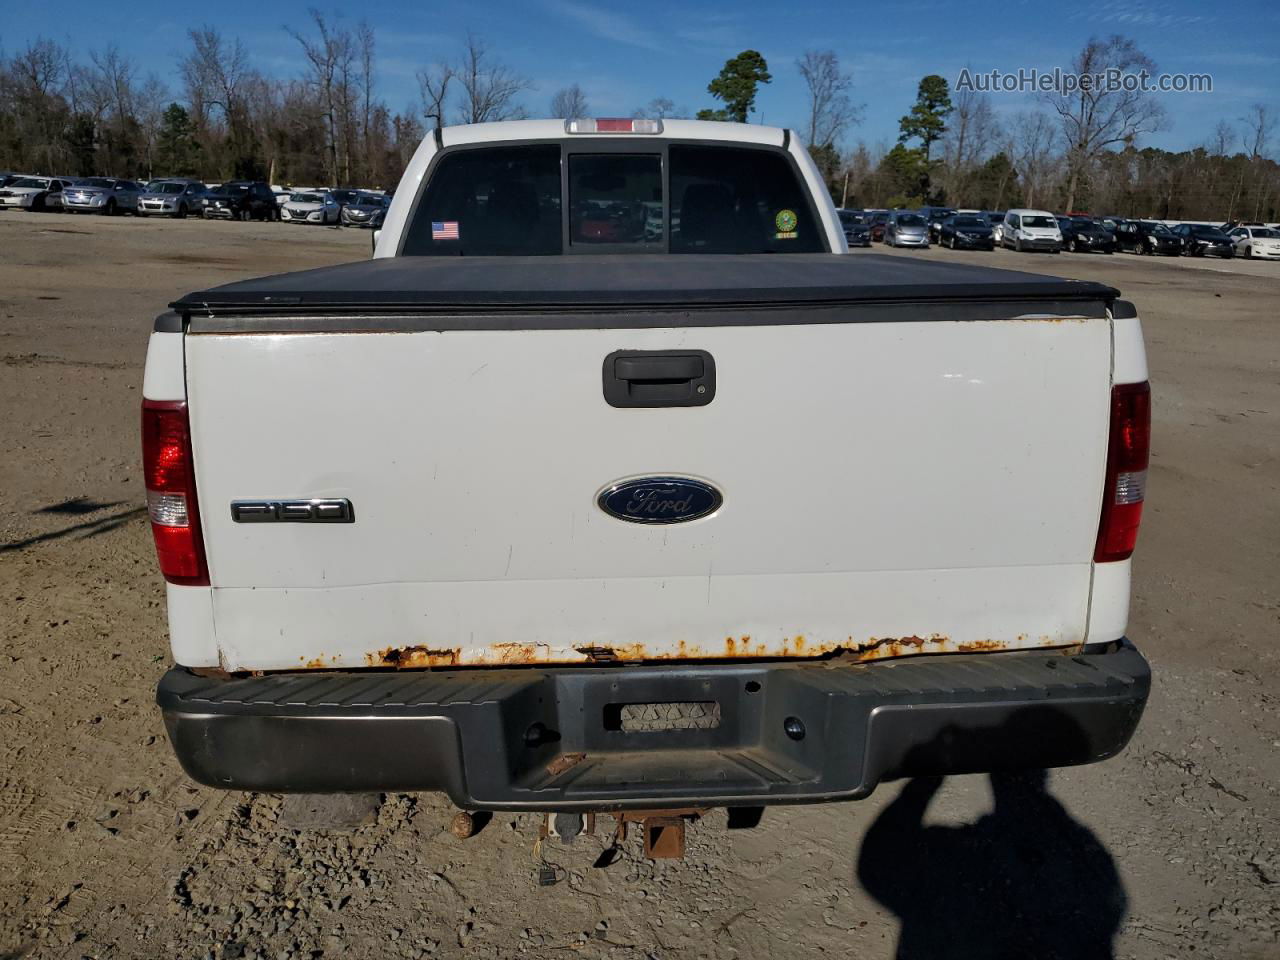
(1025, 880)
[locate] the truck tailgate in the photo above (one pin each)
(896, 478)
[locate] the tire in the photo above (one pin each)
(244, 216)
(110, 210)
(1248, 253)
(38, 205)
(1017, 244)
(1073, 246)
(182, 211)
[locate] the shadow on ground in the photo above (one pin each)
(86, 529)
(1024, 881)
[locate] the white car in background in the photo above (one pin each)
(35, 193)
(1262, 243)
(311, 207)
(1031, 230)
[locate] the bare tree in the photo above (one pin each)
(365, 41)
(570, 102)
(489, 89)
(1099, 117)
(1258, 126)
(972, 130)
(330, 57)
(1035, 141)
(831, 112)
(213, 73)
(660, 108)
(152, 98)
(433, 87)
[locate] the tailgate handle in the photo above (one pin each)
(659, 378)
(658, 368)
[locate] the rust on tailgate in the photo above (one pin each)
(847, 650)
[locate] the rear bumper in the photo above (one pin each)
(548, 739)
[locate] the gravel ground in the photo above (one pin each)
(107, 850)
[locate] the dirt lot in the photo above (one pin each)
(107, 850)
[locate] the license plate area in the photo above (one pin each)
(660, 717)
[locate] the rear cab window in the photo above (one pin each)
(609, 197)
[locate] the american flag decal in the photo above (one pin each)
(444, 229)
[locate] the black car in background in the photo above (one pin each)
(966, 231)
(857, 227)
(1084, 235)
(241, 200)
(1200, 240)
(1148, 237)
(935, 216)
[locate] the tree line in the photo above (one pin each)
(329, 124)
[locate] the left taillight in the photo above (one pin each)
(1128, 454)
(171, 492)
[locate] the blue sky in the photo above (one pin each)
(625, 54)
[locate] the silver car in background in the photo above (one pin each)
(906, 228)
(366, 210)
(171, 198)
(105, 195)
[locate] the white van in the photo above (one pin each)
(1031, 230)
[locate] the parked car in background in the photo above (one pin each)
(370, 209)
(933, 217)
(1085, 235)
(966, 231)
(1031, 230)
(1147, 237)
(996, 219)
(879, 220)
(311, 207)
(36, 194)
(1256, 242)
(906, 228)
(172, 198)
(345, 195)
(105, 195)
(1232, 224)
(55, 201)
(857, 231)
(241, 200)
(1201, 240)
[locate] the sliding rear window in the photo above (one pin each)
(496, 202)
(507, 201)
(736, 200)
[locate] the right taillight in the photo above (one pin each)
(1128, 453)
(171, 492)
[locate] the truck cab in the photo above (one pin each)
(608, 485)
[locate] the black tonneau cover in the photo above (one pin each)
(496, 285)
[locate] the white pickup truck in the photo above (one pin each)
(612, 483)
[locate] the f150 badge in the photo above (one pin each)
(660, 499)
(292, 511)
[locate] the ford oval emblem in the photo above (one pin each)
(660, 499)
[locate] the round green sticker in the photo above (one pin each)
(785, 221)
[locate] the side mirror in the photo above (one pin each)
(376, 235)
